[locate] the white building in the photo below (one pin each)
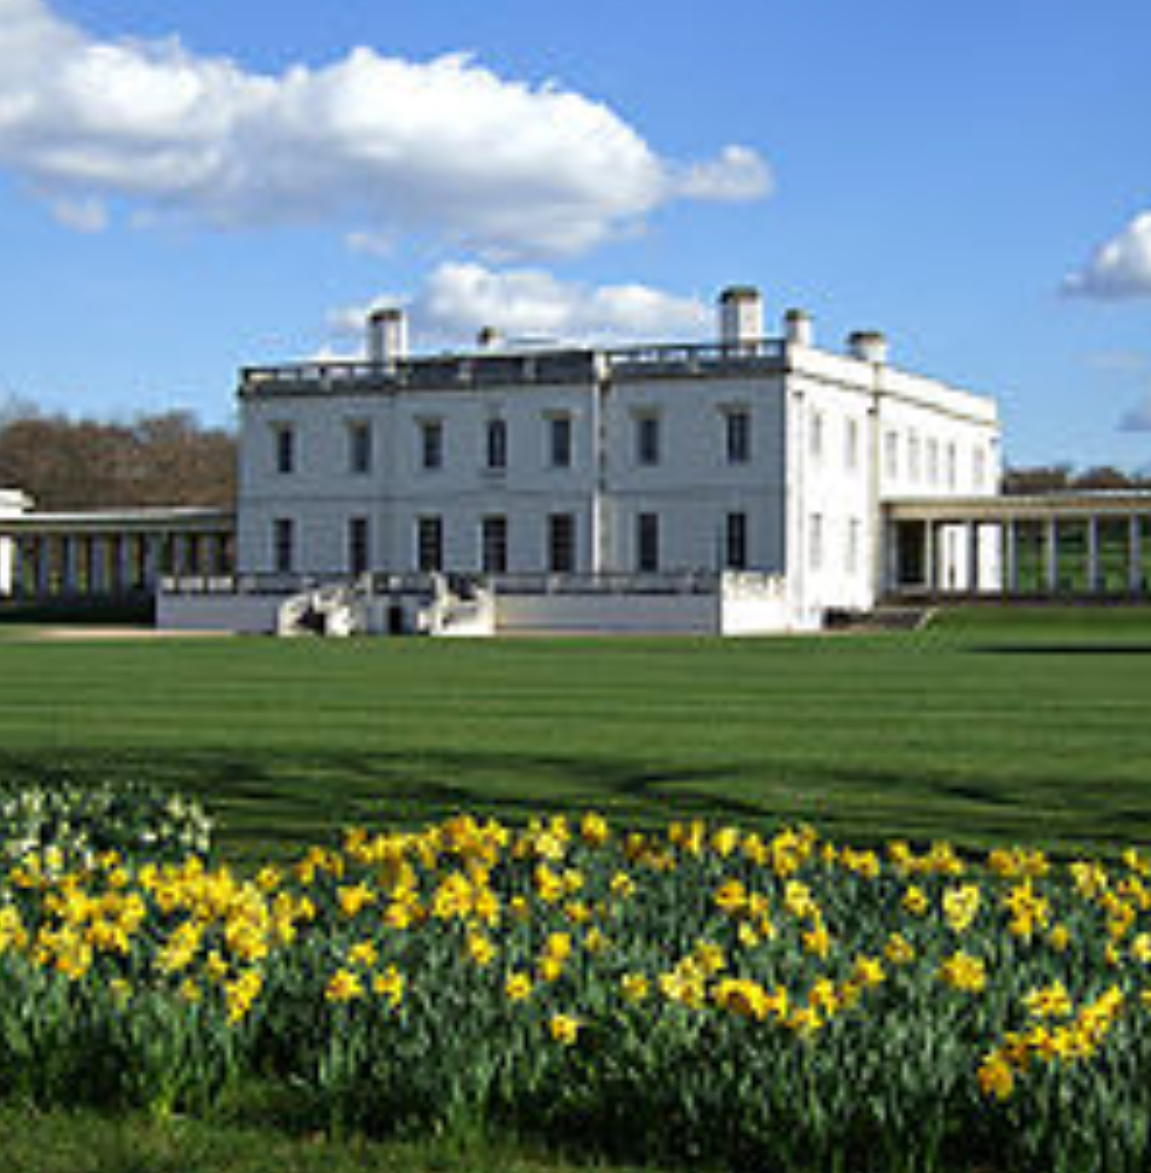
(12, 504)
(768, 456)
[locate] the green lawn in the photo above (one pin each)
(990, 726)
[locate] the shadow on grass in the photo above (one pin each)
(272, 804)
(1086, 648)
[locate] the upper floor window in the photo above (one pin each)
(285, 442)
(647, 439)
(932, 461)
(891, 454)
(979, 467)
(851, 445)
(738, 433)
(359, 447)
(431, 444)
(816, 435)
(560, 441)
(497, 443)
(952, 465)
(913, 463)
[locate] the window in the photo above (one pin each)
(497, 444)
(913, 469)
(735, 541)
(359, 448)
(815, 550)
(494, 545)
(429, 544)
(432, 444)
(816, 435)
(978, 467)
(283, 545)
(560, 441)
(359, 550)
(851, 560)
(285, 441)
(738, 426)
(951, 466)
(647, 542)
(933, 461)
(891, 454)
(647, 439)
(851, 445)
(561, 543)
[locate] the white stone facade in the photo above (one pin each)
(12, 504)
(772, 456)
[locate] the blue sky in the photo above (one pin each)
(190, 186)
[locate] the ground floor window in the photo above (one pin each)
(647, 542)
(494, 545)
(430, 544)
(359, 550)
(283, 545)
(561, 543)
(735, 542)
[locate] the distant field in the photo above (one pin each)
(1023, 725)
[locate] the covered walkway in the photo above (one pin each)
(111, 553)
(1049, 545)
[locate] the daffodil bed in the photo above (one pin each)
(701, 995)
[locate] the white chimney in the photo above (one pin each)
(868, 346)
(740, 316)
(387, 336)
(798, 328)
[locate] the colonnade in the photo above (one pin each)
(50, 563)
(1000, 547)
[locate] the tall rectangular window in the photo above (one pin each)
(359, 550)
(285, 441)
(851, 445)
(283, 545)
(647, 542)
(359, 447)
(431, 444)
(560, 441)
(815, 437)
(738, 429)
(561, 543)
(735, 541)
(933, 461)
(497, 444)
(978, 467)
(914, 471)
(647, 439)
(815, 541)
(851, 558)
(952, 465)
(891, 454)
(430, 544)
(494, 545)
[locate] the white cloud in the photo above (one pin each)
(444, 146)
(83, 215)
(1119, 268)
(738, 174)
(458, 300)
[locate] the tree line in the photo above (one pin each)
(1056, 478)
(64, 463)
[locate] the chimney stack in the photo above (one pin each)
(798, 328)
(740, 316)
(387, 336)
(868, 346)
(490, 338)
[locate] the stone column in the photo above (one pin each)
(973, 576)
(1135, 554)
(1092, 555)
(930, 565)
(1051, 556)
(1009, 536)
